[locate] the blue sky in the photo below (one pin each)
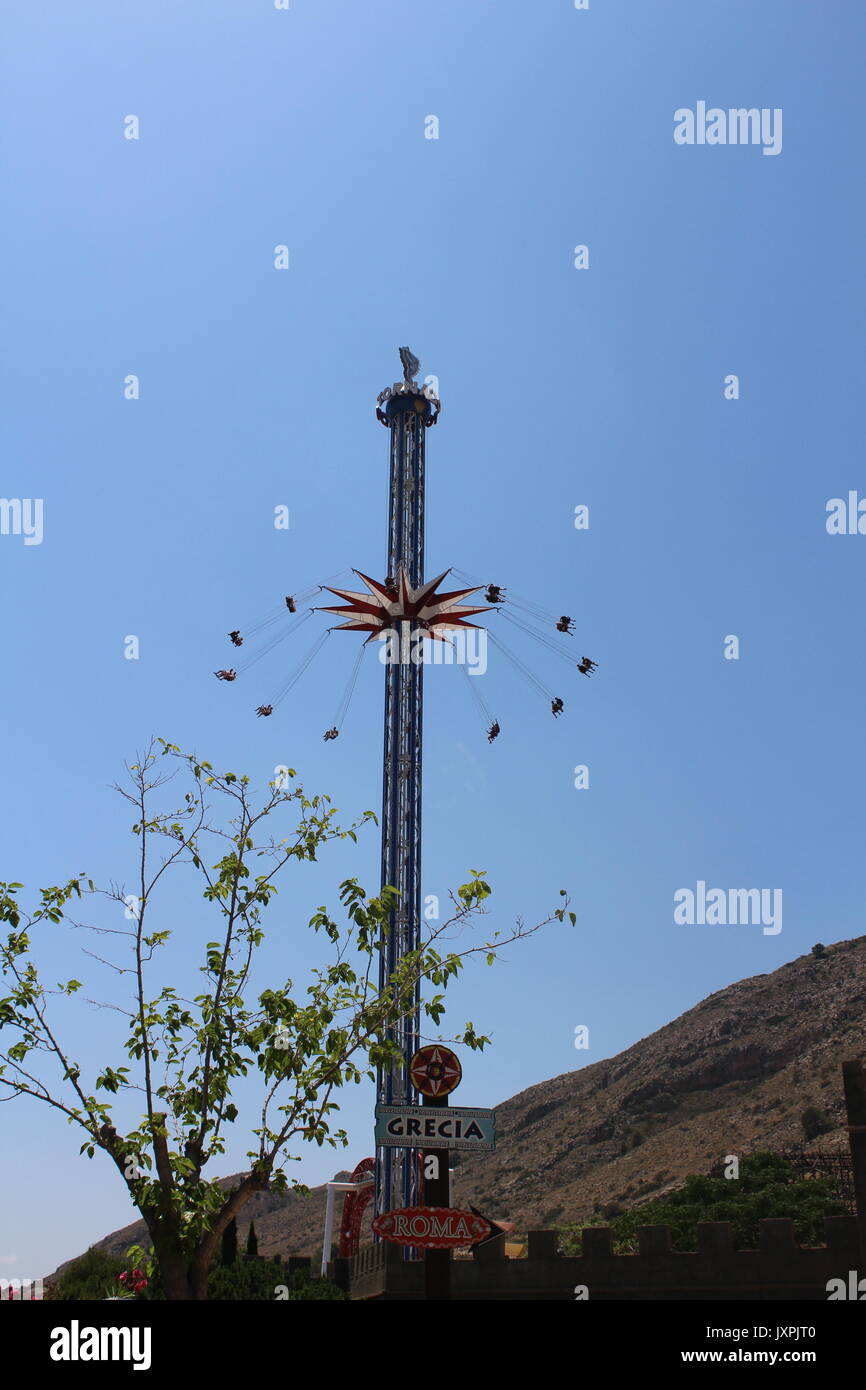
(602, 387)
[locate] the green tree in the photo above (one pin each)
(252, 1248)
(303, 1289)
(266, 1281)
(92, 1276)
(229, 1246)
(815, 1122)
(187, 1055)
(767, 1186)
(247, 1281)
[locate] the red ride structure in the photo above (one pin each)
(354, 1206)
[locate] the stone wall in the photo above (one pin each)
(778, 1269)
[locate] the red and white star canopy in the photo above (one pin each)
(383, 607)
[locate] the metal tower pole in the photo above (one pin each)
(407, 410)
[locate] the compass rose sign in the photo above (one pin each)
(436, 1071)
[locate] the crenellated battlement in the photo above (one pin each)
(777, 1269)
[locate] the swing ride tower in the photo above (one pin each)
(407, 411)
(409, 613)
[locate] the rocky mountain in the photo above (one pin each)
(734, 1073)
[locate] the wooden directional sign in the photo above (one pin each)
(442, 1127)
(435, 1070)
(435, 1228)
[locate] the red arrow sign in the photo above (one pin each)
(436, 1228)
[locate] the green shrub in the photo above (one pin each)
(95, 1276)
(815, 1122)
(92, 1276)
(767, 1186)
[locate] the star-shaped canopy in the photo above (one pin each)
(385, 606)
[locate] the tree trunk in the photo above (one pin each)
(198, 1274)
(185, 1275)
(172, 1261)
(175, 1273)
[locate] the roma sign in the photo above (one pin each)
(435, 1228)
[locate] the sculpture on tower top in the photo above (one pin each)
(411, 365)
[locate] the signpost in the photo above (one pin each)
(437, 1125)
(432, 1228)
(436, 1228)
(435, 1071)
